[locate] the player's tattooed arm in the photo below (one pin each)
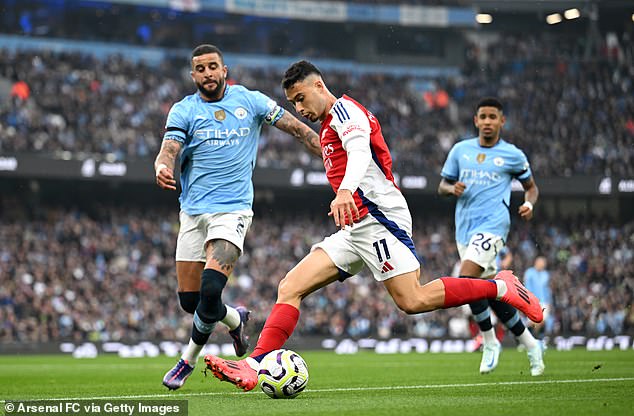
(300, 131)
(168, 154)
(164, 164)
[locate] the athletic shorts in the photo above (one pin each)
(385, 246)
(482, 249)
(196, 230)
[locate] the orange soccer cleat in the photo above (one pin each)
(519, 297)
(239, 372)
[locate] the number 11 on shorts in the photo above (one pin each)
(377, 247)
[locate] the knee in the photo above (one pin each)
(407, 305)
(210, 308)
(409, 308)
(212, 284)
(189, 301)
(411, 305)
(287, 290)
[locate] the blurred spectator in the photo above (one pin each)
(537, 280)
(570, 114)
(107, 274)
(20, 89)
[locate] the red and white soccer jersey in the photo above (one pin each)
(381, 238)
(350, 120)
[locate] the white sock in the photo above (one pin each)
(232, 320)
(527, 339)
(489, 336)
(501, 288)
(191, 353)
(253, 363)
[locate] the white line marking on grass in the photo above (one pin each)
(335, 390)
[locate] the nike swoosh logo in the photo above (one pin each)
(491, 363)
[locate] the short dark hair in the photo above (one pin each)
(205, 49)
(490, 102)
(298, 72)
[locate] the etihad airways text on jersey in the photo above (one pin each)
(204, 134)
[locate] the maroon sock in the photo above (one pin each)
(460, 291)
(278, 328)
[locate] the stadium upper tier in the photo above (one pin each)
(572, 113)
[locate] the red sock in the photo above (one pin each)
(460, 291)
(278, 328)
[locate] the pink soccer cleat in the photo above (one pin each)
(239, 372)
(519, 297)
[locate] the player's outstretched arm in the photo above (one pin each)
(300, 131)
(164, 164)
(531, 193)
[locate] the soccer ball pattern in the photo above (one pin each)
(283, 374)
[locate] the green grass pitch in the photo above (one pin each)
(576, 382)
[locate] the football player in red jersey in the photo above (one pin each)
(375, 229)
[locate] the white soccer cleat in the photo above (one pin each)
(490, 356)
(536, 359)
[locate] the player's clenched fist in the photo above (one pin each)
(526, 210)
(458, 188)
(165, 177)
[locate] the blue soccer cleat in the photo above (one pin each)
(240, 339)
(176, 377)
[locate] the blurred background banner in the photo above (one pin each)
(44, 167)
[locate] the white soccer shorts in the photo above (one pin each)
(385, 246)
(482, 249)
(196, 230)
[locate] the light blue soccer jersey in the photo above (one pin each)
(487, 172)
(220, 142)
(538, 282)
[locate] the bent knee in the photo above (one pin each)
(189, 301)
(413, 305)
(288, 289)
(408, 308)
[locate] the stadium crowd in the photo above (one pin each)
(571, 113)
(107, 273)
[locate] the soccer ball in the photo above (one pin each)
(283, 374)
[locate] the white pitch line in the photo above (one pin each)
(177, 396)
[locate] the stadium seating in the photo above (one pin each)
(571, 114)
(570, 110)
(107, 273)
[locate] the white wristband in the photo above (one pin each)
(160, 167)
(528, 204)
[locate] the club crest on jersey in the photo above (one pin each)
(328, 150)
(480, 158)
(498, 161)
(220, 115)
(240, 113)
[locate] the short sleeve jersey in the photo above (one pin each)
(220, 142)
(487, 173)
